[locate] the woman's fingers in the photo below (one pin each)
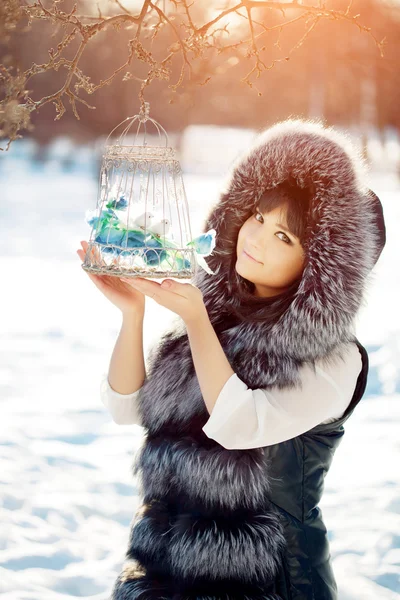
(95, 278)
(94, 253)
(99, 280)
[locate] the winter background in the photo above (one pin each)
(67, 493)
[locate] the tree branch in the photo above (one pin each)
(192, 44)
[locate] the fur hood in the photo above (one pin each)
(343, 243)
(346, 235)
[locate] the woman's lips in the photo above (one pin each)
(251, 258)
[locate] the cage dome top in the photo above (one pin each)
(157, 148)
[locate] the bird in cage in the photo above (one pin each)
(161, 228)
(143, 221)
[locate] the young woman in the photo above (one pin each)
(245, 398)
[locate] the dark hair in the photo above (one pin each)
(243, 303)
(297, 200)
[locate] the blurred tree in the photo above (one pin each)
(201, 59)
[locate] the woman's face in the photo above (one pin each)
(279, 256)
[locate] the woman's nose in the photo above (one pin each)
(255, 250)
(256, 242)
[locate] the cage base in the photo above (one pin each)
(137, 273)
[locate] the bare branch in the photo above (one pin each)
(195, 46)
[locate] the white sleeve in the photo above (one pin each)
(243, 418)
(123, 407)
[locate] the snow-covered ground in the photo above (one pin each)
(67, 493)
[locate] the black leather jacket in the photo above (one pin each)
(297, 469)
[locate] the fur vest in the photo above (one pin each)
(206, 527)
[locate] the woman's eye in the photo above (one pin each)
(287, 240)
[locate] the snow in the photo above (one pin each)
(67, 492)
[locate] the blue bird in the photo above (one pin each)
(204, 244)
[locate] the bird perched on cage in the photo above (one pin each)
(203, 245)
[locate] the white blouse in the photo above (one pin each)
(243, 418)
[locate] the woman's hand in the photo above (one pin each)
(184, 299)
(123, 296)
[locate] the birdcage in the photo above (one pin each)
(141, 225)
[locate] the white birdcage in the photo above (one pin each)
(141, 224)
